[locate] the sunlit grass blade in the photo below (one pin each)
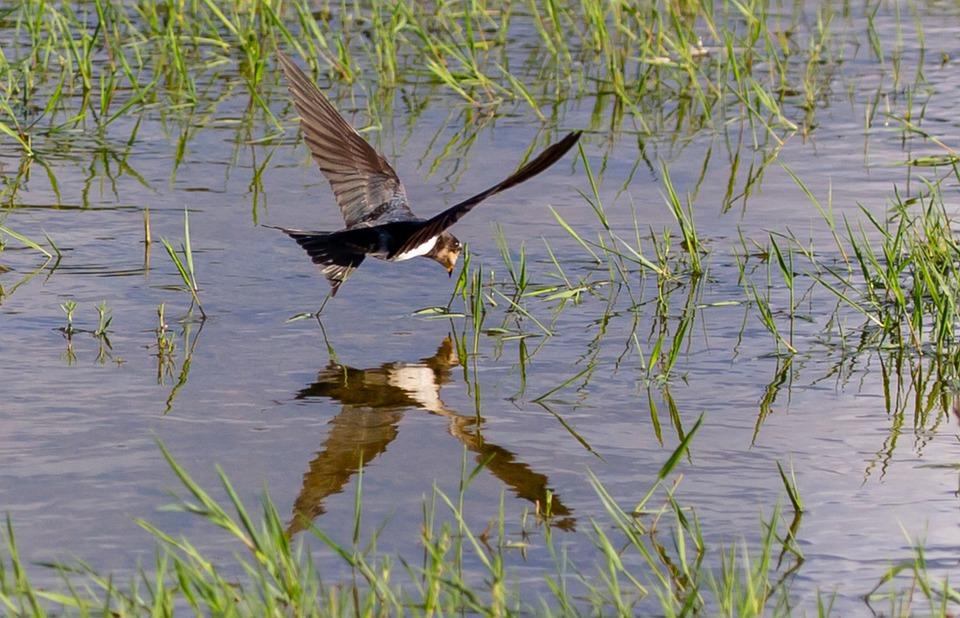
(24, 240)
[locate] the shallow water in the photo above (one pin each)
(294, 408)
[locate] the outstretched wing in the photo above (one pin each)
(365, 185)
(453, 214)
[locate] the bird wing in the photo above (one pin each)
(448, 217)
(365, 186)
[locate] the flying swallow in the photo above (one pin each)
(377, 216)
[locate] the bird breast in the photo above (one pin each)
(417, 251)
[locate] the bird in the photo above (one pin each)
(377, 215)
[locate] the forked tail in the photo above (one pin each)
(337, 259)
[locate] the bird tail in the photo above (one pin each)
(337, 259)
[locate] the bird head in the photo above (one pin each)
(446, 251)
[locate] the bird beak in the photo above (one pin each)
(450, 272)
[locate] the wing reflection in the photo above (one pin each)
(374, 402)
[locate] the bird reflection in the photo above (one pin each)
(373, 404)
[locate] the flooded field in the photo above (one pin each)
(707, 362)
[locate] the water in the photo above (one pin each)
(293, 408)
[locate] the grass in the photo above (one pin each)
(184, 265)
(91, 65)
(898, 273)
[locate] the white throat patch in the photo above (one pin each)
(423, 249)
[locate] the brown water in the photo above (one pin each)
(265, 399)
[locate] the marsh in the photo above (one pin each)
(727, 316)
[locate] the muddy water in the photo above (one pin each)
(298, 409)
